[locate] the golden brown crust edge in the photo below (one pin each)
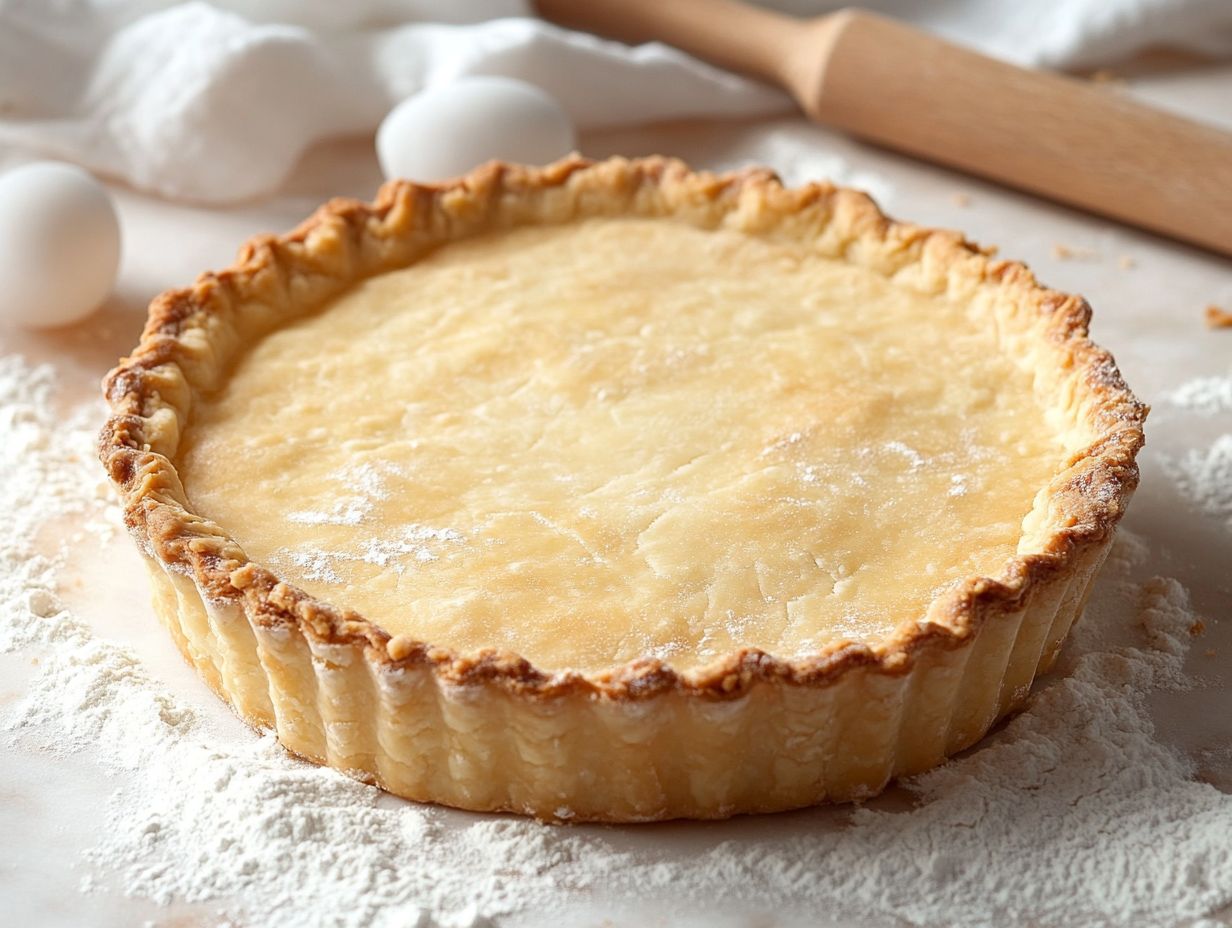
(150, 395)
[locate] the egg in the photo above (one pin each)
(445, 131)
(59, 244)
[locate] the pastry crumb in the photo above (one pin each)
(1125, 262)
(1197, 628)
(962, 199)
(1210, 652)
(1069, 252)
(1218, 318)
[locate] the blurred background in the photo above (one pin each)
(217, 102)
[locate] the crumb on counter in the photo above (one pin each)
(1068, 252)
(962, 199)
(1217, 317)
(1125, 262)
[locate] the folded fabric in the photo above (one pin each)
(216, 102)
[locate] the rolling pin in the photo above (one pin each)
(1064, 139)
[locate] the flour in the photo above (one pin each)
(410, 544)
(1204, 477)
(361, 488)
(1073, 814)
(361, 491)
(1206, 396)
(914, 458)
(44, 478)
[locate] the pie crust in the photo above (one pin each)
(749, 732)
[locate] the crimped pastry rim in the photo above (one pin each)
(1083, 510)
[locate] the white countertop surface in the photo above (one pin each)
(1149, 314)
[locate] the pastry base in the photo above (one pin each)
(576, 757)
(750, 732)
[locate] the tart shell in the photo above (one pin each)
(750, 732)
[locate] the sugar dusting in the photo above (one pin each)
(1074, 813)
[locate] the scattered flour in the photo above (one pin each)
(411, 544)
(1207, 396)
(914, 458)
(313, 564)
(1204, 478)
(362, 490)
(1072, 814)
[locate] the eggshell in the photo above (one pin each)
(445, 131)
(59, 244)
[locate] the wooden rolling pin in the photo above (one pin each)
(1058, 137)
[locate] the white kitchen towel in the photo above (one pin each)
(215, 102)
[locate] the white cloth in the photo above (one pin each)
(216, 102)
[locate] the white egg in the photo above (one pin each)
(445, 131)
(59, 244)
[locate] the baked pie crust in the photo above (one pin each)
(486, 729)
